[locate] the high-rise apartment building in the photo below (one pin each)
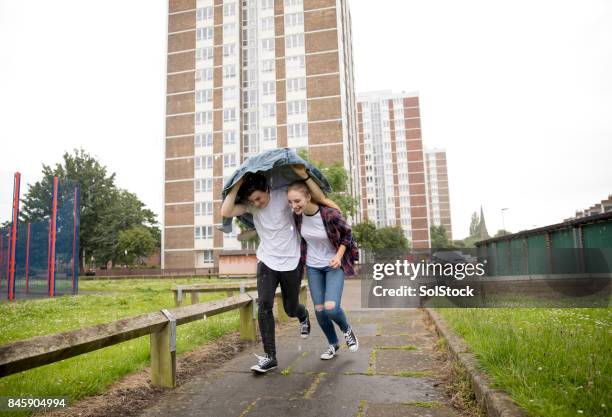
(438, 190)
(245, 76)
(392, 168)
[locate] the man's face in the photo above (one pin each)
(259, 199)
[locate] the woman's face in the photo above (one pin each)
(297, 201)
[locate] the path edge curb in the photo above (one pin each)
(497, 403)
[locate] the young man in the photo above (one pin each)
(278, 253)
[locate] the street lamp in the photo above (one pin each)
(503, 221)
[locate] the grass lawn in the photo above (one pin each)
(90, 373)
(553, 362)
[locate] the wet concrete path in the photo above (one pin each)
(396, 372)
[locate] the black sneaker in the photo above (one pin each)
(330, 352)
(351, 340)
(264, 364)
(305, 327)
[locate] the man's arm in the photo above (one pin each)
(229, 208)
(315, 190)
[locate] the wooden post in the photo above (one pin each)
(247, 322)
(230, 293)
(163, 356)
(195, 298)
(280, 309)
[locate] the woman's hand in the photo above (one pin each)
(336, 262)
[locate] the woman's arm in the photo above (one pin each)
(229, 208)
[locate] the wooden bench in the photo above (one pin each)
(195, 289)
(161, 326)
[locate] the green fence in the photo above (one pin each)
(581, 246)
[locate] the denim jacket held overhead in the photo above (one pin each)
(275, 164)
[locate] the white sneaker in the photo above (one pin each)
(330, 352)
(351, 340)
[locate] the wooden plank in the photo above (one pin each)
(38, 351)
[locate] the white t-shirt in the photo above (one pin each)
(320, 250)
(279, 246)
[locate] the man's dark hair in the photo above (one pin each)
(252, 182)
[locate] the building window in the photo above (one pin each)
(296, 84)
(268, 65)
(204, 54)
(229, 160)
(269, 133)
(296, 107)
(203, 34)
(267, 4)
(204, 96)
(269, 88)
(229, 30)
(207, 257)
(229, 49)
(250, 98)
(229, 93)
(229, 9)
(295, 62)
(294, 41)
(204, 13)
(203, 162)
(229, 71)
(268, 44)
(203, 185)
(204, 118)
(203, 232)
(269, 110)
(229, 115)
(204, 209)
(289, 3)
(204, 74)
(267, 23)
(297, 130)
(294, 19)
(229, 137)
(203, 140)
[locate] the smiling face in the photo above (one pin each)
(297, 200)
(259, 199)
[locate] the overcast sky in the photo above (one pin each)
(518, 92)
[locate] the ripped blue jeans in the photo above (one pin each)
(326, 285)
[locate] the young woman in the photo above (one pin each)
(330, 253)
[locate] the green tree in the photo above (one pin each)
(338, 180)
(474, 222)
(99, 198)
(439, 240)
(135, 243)
(125, 212)
(380, 242)
(502, 232)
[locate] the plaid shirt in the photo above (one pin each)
(338, 232)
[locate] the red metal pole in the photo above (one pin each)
(27, 261)
(52, 231)
(13, 244)
(1, 259)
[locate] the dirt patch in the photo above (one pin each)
(130, 395)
